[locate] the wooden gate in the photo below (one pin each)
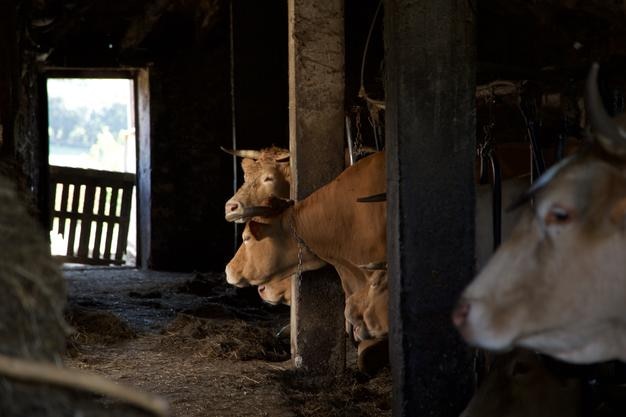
(91, 210)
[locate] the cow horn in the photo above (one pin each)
(373, 198)
(282, 157)
(242, 153)
(608, 133)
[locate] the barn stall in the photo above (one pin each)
(413, 78)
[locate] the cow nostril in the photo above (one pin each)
(232, 206)
(261, 288)
(460, 313)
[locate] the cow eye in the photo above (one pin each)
(268, 178)
(246, 238)
(558, 215)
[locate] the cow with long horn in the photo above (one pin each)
(267, 177)
(558, 285)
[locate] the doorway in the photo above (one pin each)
(92, 160)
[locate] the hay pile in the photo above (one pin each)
(32, 327)
(351, 394)
(226, 339)
(96, 327)
(32, 291)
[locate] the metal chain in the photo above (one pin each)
(299, 242)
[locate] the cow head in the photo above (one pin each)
(269, 252)
(367, 308)
(266, 176)
(276, 292)
(558, 285)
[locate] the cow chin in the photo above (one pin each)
(581, 343)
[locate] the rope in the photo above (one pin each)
(380, 104)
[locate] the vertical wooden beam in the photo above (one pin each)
(316, 110)
(9, 70)
(430, 77)
(144, 170)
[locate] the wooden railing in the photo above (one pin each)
(91, 210)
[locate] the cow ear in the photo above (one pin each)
(256, 229)
(618, 212)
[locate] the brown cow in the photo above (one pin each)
(558, 285)
(520, 385)
(266, 175)
(276, 292)
(329, 226)
(366, 309)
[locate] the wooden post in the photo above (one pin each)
(144, 169)
(316, 114)
(430, 130)
(9, 71)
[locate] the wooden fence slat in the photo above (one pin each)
(63, 208)
(109, 239)
(99, 223)
(73, 221)
(53, 194)
(122, 237)
(87, 215)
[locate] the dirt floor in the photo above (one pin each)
(208, 348)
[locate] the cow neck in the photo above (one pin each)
(352, 278)
(290, 216)
(308, 219)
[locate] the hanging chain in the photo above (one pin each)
(300, 243)
(486, 147)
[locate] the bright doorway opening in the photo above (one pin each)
(93, 160)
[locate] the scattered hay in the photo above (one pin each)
(202, 285)
(349, 395)
(225, 339)
(96, 327)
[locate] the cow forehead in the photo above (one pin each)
(582, 184)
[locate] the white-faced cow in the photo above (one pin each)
(558, 285)
(266, 176)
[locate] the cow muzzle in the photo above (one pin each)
(235, 279)
(234, 211)
(241, 214)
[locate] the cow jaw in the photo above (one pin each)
(269, 252)
(582, 343)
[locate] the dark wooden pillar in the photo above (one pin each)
(8, 74)
(430, 77)
(316, 93)
(144, 169)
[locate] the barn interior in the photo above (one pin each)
(459, 95)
